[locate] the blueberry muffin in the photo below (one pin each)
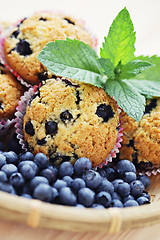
(31, 35)
(141, 141)
(10, 92)
(68, 119)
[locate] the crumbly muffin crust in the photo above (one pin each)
(25, 41)
(67, 120)
(10, 92)
(141, 141)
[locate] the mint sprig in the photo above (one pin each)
(117, 71)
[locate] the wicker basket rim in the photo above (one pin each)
(36, 213)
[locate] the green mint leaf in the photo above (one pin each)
(119, 44)
(128, 98)
(153, 73)
(131, 69)
(146, 87)
(107, 67)
(73, 59)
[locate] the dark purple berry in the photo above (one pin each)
(77, 184)
(43, 192)
(143, 200)
(137, 188)
(9, 169)
(66, 169)
(105, 111)
(104, 198)
(66, 116)
(29, 129)
(116, 203)
(67, 197)
(23, 48)
(41, 160)
(92, 179)
(130, 203)
(145, 180)
(86, 197)
(51, 127)
(82, 165)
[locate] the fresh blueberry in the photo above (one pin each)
(9, 169)
(105, 186)
(146, 195)
(37, 180)
(79, 205)
(92, 179)
(129, 177)
(55, 195)
(104, 198)
(68, 180)
(123, 189)
(97, 206)
(23, 48)
(66, 169)
(86, 197)
(116, 203)
(59, 184)
(137, 188)
(27, 156)
(41, 160)
(143, 200)
(3, 177)
(129, 197)
(105, 111)
(6, 187)
(125, 166)
(25, 195)
(145, 180)
(11, 157)
(115, 195)
(67, 197)
(111, 173)
(82, 165)
(102, 172)
(116, 182)
(28, 169)
(43, 192)
(1, 146)
(2, 160)
(51, 127)
(50, 173)
(130, 203)
(17, 180)
(77, 184)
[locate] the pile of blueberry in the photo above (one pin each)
(32, 176)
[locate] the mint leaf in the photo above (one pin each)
(146, 87)
(131, 69)
(119, 44)
(73, 59)
(107, 67)
(153, 73)
(127, 97)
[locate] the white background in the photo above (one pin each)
(98, 15)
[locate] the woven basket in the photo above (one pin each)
(35, 213)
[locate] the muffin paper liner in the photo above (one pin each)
(21, 109)
(4, 34)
